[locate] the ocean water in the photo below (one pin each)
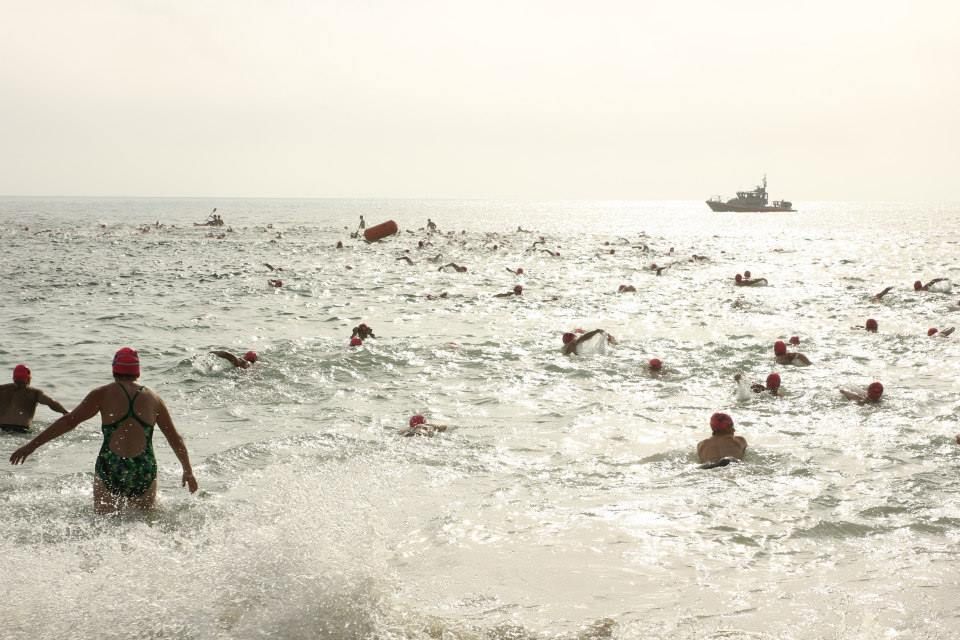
(565, 500)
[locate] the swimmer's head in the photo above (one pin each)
(251, 356)
(622, 288)
(739, 278)
(519, 271)
(355, 341)
(746, 274)
(655, 364)
(874, 391)
(795, 340)
(417, 420)
(363, 327)
(917, 286)
(517, 290)
(779, 348)
(871, 325)
(568, 338)
(721, 423)
(932, 331)
(126, 362)
(21, 373)
(773, 381)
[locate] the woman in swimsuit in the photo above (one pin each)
(126, 469)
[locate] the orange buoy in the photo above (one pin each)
(382, 230)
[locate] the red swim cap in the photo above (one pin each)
(568, 338)
(795, 340)
(355, 341)
(720, 422)
(126, 362)
(917, 286)
(871, 325)
(250, 356)
(931, 331)
(773, 381)
(875, 390)
(416, 420)
(779, 348)
(21, 373)
(518, 290)
(655, 364)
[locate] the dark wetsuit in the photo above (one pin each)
(128, 477)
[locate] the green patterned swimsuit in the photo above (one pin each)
(128, 477)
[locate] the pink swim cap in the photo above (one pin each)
(917, 286)
(795, 340)
(655, 364)
(126, 362)
(417, 420)
(773, 381)
(568, 338)
(931, 331)
(21, 373)
(250, 356)
(720, 422)
(517, 290)
(875, 390)
(872, 325)
(355, 341)
(779, 348)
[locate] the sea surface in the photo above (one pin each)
(565, 499)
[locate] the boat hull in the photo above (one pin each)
(724, 206)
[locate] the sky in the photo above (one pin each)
(537, 99)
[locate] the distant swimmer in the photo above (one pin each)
(555, 254)
(362, 331)
(126, 469)
(431, 225)
(18, 402)
(772, 384)
(878, 296)
(241, 363)
(363, 224)
(406, 259)
(939, 333)
(658, 269)
(571, 342)
(872, 393)
(516, 291)
(655, 365)
(275, 282)
(870, 326)
(795, 341)
(517, 272)
(418, 426)
(271, 267)
(626, 288)
(339, 244)
(937, 285)
(455, 266)
(782, 356)
(746, 281)
(722, 447)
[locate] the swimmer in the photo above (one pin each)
(455, 266)
(363, 224)
(418, 426)
(659, 270)
(722, 445)
(943, 288)
(431, 225)
(772, 384)
(870, 326)
(626, 288)
(876, 297)
(430, 296)
(571, 342)
(274, 282)
(407, 259)
(362, 331)
(271, 267)
(555, 254)
(746, 281)
(517, 272)
(933, 331)
(240, 363)
(871, 394)
(782, 356)
(18, 402)
(126, 469)
(655, 365)
(339, 244)
(517, 291)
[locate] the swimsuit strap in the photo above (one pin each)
(130, 413)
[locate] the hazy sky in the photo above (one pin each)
(548, 99)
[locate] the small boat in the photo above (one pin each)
(755, 200)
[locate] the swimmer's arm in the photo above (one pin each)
(226, 355)
(882, 293)
(934, 281)
(853, 395)
(56, 406)
(588, 335)
(802, 358)
(165, 422)
(83, 411)
(947, 332)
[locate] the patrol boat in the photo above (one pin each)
(755, 200)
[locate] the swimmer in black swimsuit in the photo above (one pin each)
(18, 402)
